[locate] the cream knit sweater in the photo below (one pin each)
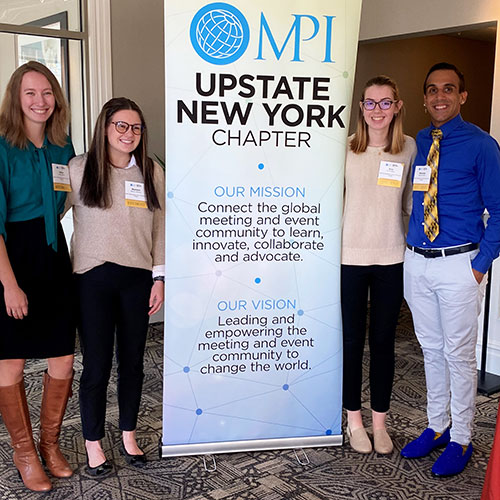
(375, 217)
(128, 236)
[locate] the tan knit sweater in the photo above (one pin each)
(128, 236)
(375, 217)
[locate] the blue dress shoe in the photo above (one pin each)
(452, 461)
(425, 443)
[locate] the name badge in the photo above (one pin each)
(60, 178)
(135, 195)
(422, 178)
(390, 174)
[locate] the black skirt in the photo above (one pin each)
(45, 276)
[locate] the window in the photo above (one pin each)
(72, 38)
(48, 31)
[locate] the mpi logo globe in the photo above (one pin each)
(219, 33)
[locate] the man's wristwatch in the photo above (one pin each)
(159, 278)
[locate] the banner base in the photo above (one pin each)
(179, 450)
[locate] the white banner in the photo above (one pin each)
(258, 97)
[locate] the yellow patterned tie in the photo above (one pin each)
(431, 221)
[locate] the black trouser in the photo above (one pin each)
(385, 284)
(112, 299)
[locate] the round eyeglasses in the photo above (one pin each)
(384, 104)
(122, 127)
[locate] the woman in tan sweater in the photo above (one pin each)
(117, 251)
(377, 202)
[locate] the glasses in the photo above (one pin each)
(384, 104)
(122, 127)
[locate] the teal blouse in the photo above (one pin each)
(26, 185)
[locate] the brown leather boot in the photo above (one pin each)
(56, 393)
(14, 410)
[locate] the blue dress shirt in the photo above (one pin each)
(468, 182)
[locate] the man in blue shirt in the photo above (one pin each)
(456, 176)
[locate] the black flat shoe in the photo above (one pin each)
(133, 460)
(99, 470)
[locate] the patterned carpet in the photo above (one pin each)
(332, 473)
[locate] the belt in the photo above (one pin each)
(431, 253)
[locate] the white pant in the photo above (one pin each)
(445, 301)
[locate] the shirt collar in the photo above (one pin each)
(449, 126)
(131, 163)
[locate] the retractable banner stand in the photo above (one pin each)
(258, 96)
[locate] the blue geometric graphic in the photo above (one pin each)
(253, 346)
(219, 33)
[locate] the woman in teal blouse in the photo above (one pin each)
(36, 304)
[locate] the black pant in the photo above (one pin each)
(385, 284)
(112, 299)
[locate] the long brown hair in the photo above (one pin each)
(395, 135)
(11, 113)
(94, 190)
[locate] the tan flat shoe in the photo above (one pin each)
(359, 440)
(382, 442)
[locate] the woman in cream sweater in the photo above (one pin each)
(117, 251)
(377, 202)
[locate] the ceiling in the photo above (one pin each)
(484, 34)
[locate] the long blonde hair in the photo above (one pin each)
(395, 136)
(11, 113)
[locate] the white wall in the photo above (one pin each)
(410, 16)
(138, 62)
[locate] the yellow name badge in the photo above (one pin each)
(390, 174)
(421, 178)
(135, 195)
(60, 178)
